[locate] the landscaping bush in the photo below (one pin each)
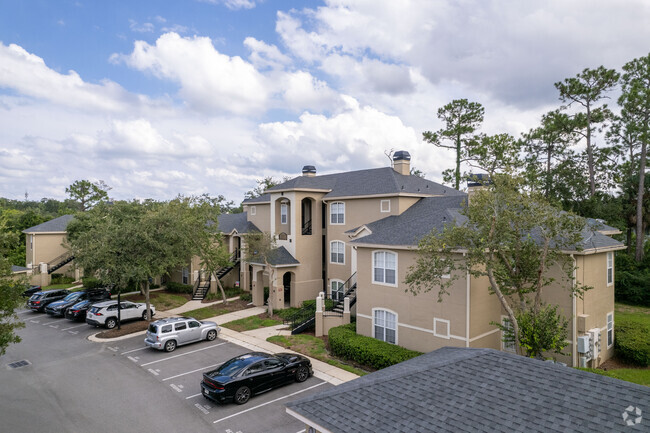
(92, 283)
(632, 342)
(61, 279)
(246, 296)
(632, 280)
(179, 288)
(346, 343)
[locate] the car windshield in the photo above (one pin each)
(233, 366)
(72, 296)
(38, 295)
(153, 329)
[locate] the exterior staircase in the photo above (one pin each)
(59, 262)
(202, 284)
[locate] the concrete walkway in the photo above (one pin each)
(254, 340)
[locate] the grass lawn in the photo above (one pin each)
(633, 312)
(161, 300)
(61, 286)
(216, 310)
(634, 375)
(250, 323)
(314, 347)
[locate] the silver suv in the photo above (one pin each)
(167, 334)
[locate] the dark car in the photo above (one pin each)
(78, 311)
(40, 300)
(253, 373)
(58, 308)
(30, 290)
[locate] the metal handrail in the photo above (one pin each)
(306, 228)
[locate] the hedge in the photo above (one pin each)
(92, 283)
(61, 279)
(346, 343)
(179, 288)
(632, 342)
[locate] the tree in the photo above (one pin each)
(539, 332)
(635, 103)
(461, 119)
(495, 154)
(131, 242)
(10, 299)
(261, 247)
(88, 194)
(587, 89)
(513, 239)
(263, 185)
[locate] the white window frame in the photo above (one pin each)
(253, 210)
(374, 324)
(374, 261)
(339, 207)
(610, 268)
(339, 244)
(435, 327)
(507, 347)
(284, 212)
(341, 290)
(610, 329)
(381, 206)
(31, 242)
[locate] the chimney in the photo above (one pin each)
(476, 182)
(402, 162)
(309, 171)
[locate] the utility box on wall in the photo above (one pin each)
(584, 344)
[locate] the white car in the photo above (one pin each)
(105, 313)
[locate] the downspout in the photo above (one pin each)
(467, 309)
(574, 336)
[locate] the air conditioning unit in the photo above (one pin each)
(583, 344)
(583, 361)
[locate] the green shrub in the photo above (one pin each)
(632, 280)
(246, 296)
(61, 279)
(346, 343)
(179, 288)
(632, 342)
(92, 283)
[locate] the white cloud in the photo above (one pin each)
(303, 91)
(29, 75)
(235, 4)
(264, 55)
(209, 80)
(141, 27)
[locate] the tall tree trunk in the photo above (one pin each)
(458, 152)
(640, 232)
(223, 292)
(590, 156)
(628, 241)
(146, 299)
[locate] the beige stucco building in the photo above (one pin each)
(364, 226)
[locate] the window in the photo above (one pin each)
(283, 213)
(337, 213)
(337, 252)
(166, 329)
(336, 290)
(253, 210)
(194, 324)
(186, 276)
(180, 326)
(610, 268)
(441, 328)
(385, 206)
(507, 337)
(385, 326)
(384, 267)
(31, 242)
(610, 329)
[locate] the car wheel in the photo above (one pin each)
(111, 323)
(144, 315)
(242, 395)
(302, 374)
(212, 334)
(170, 346)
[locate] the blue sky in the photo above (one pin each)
(159, 98)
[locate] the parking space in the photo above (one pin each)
(179, 374)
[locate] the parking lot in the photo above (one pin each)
(141, 381)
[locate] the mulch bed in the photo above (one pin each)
(233, 306)
(615, 364)
(126, 329)
(153, 295)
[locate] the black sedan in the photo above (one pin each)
(253, 373)
(78, 311)
(30, 290)
(40, 300)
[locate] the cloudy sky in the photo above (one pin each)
(166, 97)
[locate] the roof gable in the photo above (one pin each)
(59, 224)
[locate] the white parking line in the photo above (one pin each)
(182, 354)
(78, 326)
(134, 350)
(192, 396)
(193, 371)
(49, 323)
(268, 402)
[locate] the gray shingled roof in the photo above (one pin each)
(366, 182)
(264, 198)
(431, 213)
(59, 224)
(416, 222)
(279, 256)
(476, 390)
(236, 221)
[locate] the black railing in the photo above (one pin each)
(306, 228)
(349, 290)
(59, 262)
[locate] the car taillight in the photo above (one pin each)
(98, 314)
(36, 302)
(74, 311)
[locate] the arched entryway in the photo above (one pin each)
(287, 283)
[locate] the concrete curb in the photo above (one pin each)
(108, 340)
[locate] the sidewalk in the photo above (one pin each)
(254, 340)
